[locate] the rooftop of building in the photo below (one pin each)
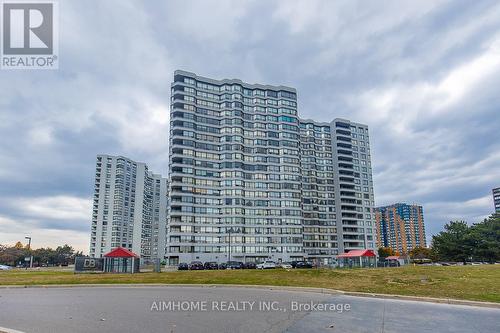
(150, 173)
(264, 87)
(234, 81)
(398, 204)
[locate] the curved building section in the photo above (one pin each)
(249, 180)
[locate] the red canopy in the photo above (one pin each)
(120, 252)
(357, 253)
(393, 258)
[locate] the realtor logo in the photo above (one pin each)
(29, 35)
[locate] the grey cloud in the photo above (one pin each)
(111, 93)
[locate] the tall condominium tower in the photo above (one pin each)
(400, 227)
(250, 180)
(496, 199)
(129, 208)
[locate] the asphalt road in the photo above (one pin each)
(210, 309)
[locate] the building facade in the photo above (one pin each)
(129, 209)
(245, 170)
(496, 199)
(400, 227)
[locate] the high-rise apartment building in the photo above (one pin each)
(129, 208)
(251, 180)
(400, 227)
(496, 199)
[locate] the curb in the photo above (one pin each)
(285, 288)
(451, 301)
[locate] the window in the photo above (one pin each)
(287, 119)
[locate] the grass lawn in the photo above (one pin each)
(478, 283)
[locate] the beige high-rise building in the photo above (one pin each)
(129, 208)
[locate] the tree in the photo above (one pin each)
(64, 254)
(12, 255)
(459, 242)
(44, 256)
(454, 243)
(385, 252)
(485, 237)
(421, 252)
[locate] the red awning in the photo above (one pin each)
(120, 252)
(357, 253)
(392, 258)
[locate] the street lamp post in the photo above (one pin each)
(29, 248)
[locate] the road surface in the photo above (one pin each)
(227, 309)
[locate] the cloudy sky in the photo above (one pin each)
(424, 75)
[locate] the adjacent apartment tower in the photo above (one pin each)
(400, 227)
(129, 209)
(250, 180)
(496, 199)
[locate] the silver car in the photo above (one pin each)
(266, 265)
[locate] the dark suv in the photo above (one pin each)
(211, 265)
(183, 266)
(303, 264)
(196, 266)
(234, 265)
(250, 265)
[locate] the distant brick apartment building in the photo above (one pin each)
(400, 226)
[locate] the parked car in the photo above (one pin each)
(222, 265)
(393, 263)
(183, 266)
(303, 264)
(196, 266)
(250, 265)
(266, 265)
(235, 265)
(211, 265)
(286, 265)
(5, 268)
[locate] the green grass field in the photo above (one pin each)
(478, 283)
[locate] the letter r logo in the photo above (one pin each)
(28, 28)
